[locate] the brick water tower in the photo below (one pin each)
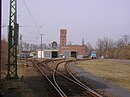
(63, 39)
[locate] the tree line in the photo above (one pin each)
(119, 49)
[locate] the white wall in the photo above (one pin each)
(39, 54)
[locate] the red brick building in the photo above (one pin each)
(71, 50)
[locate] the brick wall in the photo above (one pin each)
(81, 50)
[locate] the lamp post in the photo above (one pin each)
(41, 45)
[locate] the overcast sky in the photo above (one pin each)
(88, 19)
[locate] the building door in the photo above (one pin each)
(74, 54)
(54, 54)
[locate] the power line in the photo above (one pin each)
(33, 19)
(31, 26)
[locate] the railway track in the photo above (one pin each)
(64, 83)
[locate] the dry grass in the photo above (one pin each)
(19, 88)
(111, 71)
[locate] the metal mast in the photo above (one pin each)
(12, 41)
(21, 45)
(41, 45)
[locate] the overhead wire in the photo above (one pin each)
(32, 17)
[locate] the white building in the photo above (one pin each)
(47, 53)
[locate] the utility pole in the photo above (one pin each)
(20, 45)
(82, 41)
(0, 34)
(41, 45)
(12, 41)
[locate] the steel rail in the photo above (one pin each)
(90, 91)
(54, 79)
(48, 79)
(76, 81)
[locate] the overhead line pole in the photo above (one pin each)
(41, 45)
(13, 33)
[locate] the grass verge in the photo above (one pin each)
(111, 71)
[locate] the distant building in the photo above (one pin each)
(71, 50)
(51, 52)
(64, 50)
(47, 53)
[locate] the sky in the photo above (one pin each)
(88, 19)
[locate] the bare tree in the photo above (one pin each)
(114, 49)
(123, 41)
(105, 46)
(89, 48)
(126, 39)
(108, 43)
(100, 48)
(120, 43)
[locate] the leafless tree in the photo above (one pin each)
(126, 39)
(120, 43)
(89, 48)
(123, 41)
(100, 47)
(104, 46)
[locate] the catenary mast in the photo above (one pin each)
(12, 41)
